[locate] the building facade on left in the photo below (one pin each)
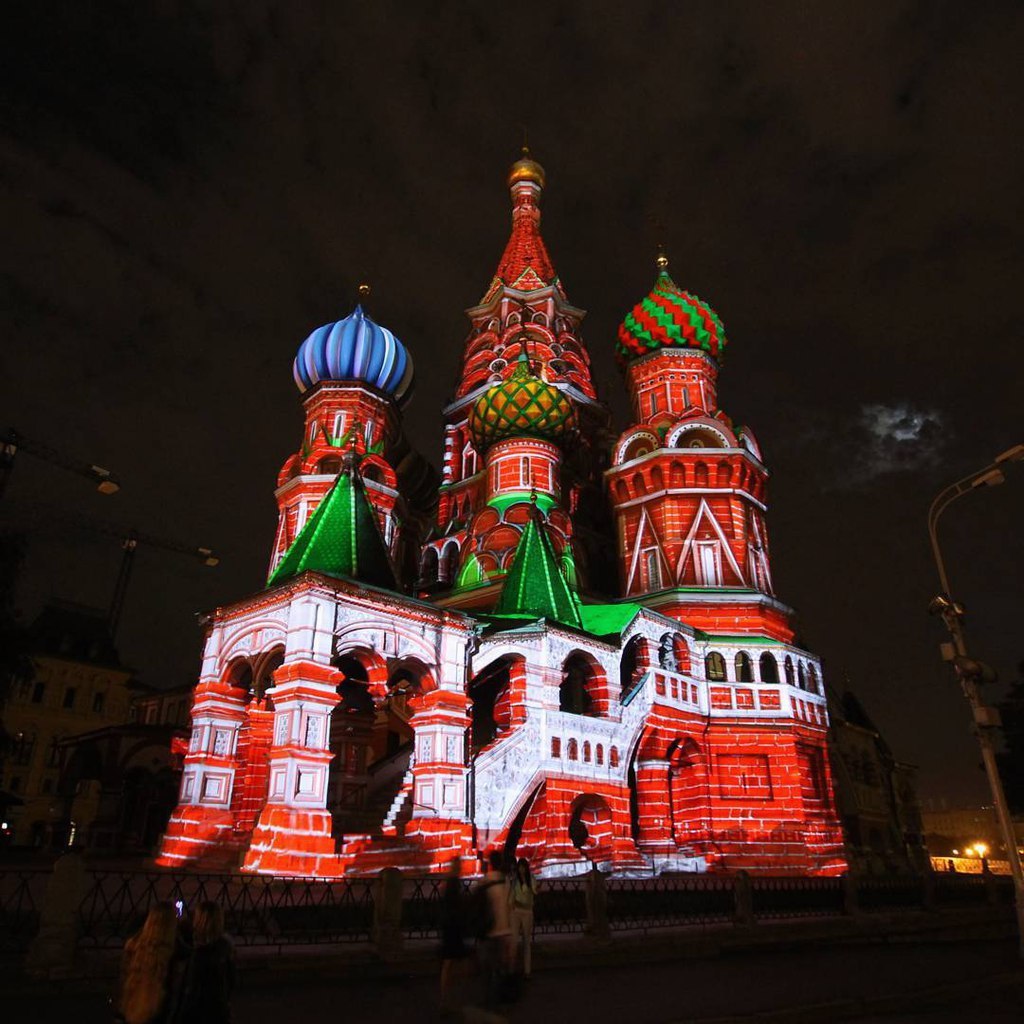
(92, 756)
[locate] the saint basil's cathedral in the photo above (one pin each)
(569, 648)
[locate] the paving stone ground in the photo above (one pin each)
(978, 982)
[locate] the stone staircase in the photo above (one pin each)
(382, 808)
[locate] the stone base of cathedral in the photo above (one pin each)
(201, 836)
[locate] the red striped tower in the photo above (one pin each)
(524, 311)
(687, 486)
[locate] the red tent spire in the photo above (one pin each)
(525, 264)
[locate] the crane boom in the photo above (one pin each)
(13, 442)
(130, 539)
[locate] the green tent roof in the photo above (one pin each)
(535, 586)
(607, 619)
(341, 538)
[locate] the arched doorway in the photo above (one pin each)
(687, 790)
(255, 734)
(491, 692)
(354, 731)
(590, 827)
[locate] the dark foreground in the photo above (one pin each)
(924, 983)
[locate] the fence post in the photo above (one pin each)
(851, 903)
(743, 899)
(52, 952)
(928, 897)
(991, 888)
(596, 891)
(387, 911)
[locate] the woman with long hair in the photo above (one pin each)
(147, 968)
(521, 896)
(210, 975)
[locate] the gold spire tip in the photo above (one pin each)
(364, 290)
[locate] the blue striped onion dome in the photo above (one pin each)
(355, 348)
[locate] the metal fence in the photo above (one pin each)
(21, 899)
(786, 897)
(259, 910)
(670, 901)
(265, 911)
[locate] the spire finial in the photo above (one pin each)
(526, 168)
(661, 260)
(364, 290)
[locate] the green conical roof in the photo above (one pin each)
(535, 585)
(341, 538)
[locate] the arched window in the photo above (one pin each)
(599, 754)
(790, 679)
(815, 687)
(769, 668)
(239, 675)
(634, 663)
(613, 757)
(572, 750)
(586, 752)
(744, 670)
(339, 424)
(428, 567)
(448, 562)
(714, 667)
(556, 747)
(331, 466)
(700, 472)
(652, 569)
(580, 692)
(525, 479)
(801, 676)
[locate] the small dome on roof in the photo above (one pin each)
(526, 169)
(669, 318)
(357, 349)
(521, 406)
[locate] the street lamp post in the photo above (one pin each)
(970, 672)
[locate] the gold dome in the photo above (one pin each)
(525, 169)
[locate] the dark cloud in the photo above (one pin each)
(189, 188)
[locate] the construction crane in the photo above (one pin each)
(13, 442)
(43, 514)
(130, 540)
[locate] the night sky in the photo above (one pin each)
(189, 188)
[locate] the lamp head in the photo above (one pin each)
(989, 478)
(943, 604)
(977, 670)
(106, 482)
(1014, 454)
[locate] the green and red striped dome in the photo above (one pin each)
(669, 318)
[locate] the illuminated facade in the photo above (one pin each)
(445, 670)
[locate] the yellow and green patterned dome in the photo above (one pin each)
(521, 406)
